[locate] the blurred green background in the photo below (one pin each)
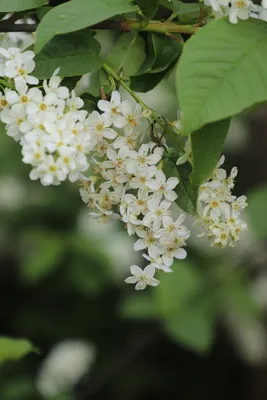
(201, 334)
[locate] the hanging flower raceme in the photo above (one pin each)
(128, 184)
(48, 123)
(121, 176)
(218, 208)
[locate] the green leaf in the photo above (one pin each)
(76, 15)
(207, 144)
(14, 349)
(177, 288)
(148, 7)
(166, 51)
(186, 191)
(150, 55)
(187, 8)
(257, 200)
(20, 5)
(128, 54)
(99, 79)
(75, 54)
(146, 82)
(162, 53)
(40, 12)
(222, 71)
(172, 5)
(90, 102)
(193, 328)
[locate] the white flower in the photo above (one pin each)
(148, 241)
(129, 141)
(99, 126)
(157, 263)
(14, 63)
(142, 278)
(239, 9)
(49, 171)
(117, 160)
(172, 228)
(13, 118)
(132, 117)
(112, 111)
(166, 186)
(144, 179)
(137, 205)
(172, 249)
(53, 90)
(141, 159)
(157, 210)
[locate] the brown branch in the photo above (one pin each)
(17, 27)
(125, 26)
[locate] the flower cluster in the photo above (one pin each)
(48, 123)
(124, 177)
(238, 9)
(128, 183)
(221, 210)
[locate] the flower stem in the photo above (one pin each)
(162, 122)
(110, 71)
(159, 27)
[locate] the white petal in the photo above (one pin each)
(104, 105)
(139, 245)
(180, 254)
(131, 279)
(153, 282)
(141, 285)
(135, 270)
(153, 203)
(149, 271)
(167, 259)
(172, 182)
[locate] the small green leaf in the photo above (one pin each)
(194, 328)
(146, 82)
(99, 79)
(222, 71)
(207, 144)
(75, 54)
(14, 349)
(172, 5)
(40, 12)
(20, 5)
(187, 8)
(148, 7)
(127, 55)
(76, 15)
(90, 102)
(150, 55)
(186, 191)
(162, 53)
(166, 51)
